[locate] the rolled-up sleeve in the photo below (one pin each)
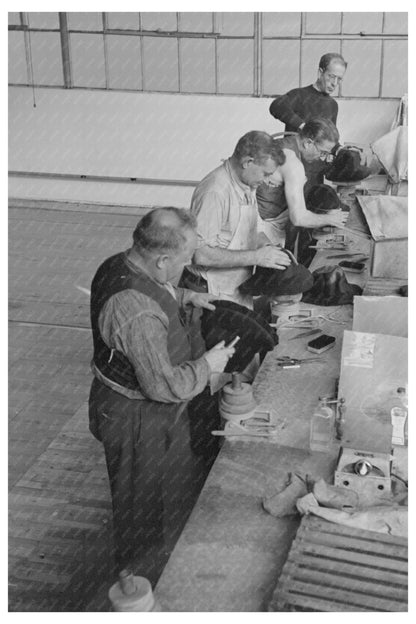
(136, 325)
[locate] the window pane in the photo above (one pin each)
(87, 54)
(236, 24)
(159, 21)
(280, 66)
(197, 65)
(126, 21)
(281, 24)
(17, 58)
(395, 69)
(311, 53)
(85, 21)
(14, 19)
(124, 65)
(195, 22)
(43, 20)
(235, 66)
(362, 77)
(160, 64)
(354, 23)
(47, 58)
(322, 23)
(395, 23)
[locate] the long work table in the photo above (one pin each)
(231, 552)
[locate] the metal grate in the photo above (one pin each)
(335, 568)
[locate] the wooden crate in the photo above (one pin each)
(335, 568)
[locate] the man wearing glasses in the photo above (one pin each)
(281, 200)
(298, 105)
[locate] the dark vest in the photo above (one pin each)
(113, 276)
(271, 200)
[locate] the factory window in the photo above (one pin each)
(281, 24)
(281, 59)
(197, 62)
(45, 21)
(323, 23)
(124, 62)
(228, 53)
(196, 22)
(47, 58)
(85, 21)
(123, 21)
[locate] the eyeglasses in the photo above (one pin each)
(322, 153)
(334, 78)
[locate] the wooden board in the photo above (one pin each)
(335, 568)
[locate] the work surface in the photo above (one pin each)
(232, 552)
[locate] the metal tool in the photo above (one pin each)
(304, 334)
(350, 255)
(288, 362)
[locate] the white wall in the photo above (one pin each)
(147, 135)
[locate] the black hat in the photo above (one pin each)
(228, 320)
(272, 282)
(322, 199)
(347, 167)
(331, 287)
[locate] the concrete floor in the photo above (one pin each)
(60, 546)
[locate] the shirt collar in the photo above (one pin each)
(243, 189)
(167, 285)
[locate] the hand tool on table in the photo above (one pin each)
(285, 361)
(304, 334)
(350, 255)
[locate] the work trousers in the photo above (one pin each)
(154, 476)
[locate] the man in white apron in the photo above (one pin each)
(281, 198)
(225, 205)
(229, 246)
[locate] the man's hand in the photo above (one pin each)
(338, 219)
(272, 257)
(202, 300)
(218, 356)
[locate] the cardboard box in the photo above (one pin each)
(381, 315)
(387, 219)
(373, 366)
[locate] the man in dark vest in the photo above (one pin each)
(146, 368)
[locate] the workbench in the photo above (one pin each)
(231, 552)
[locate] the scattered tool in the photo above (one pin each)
(287, 362)
(334, 246)
(350, 255)
(304, 334)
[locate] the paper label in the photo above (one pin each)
(360, 351)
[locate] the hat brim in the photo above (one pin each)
(228, 320)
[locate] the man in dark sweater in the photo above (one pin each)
(299, 105)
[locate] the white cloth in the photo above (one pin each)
(392, 151)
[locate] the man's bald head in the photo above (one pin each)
(163, 231)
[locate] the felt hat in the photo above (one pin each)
(271, 282)
(322, 198)
(347, 167)
(228, 320)
(330, 287)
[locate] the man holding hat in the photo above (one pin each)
(281, 200)
(146, 369)
(225, 206)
